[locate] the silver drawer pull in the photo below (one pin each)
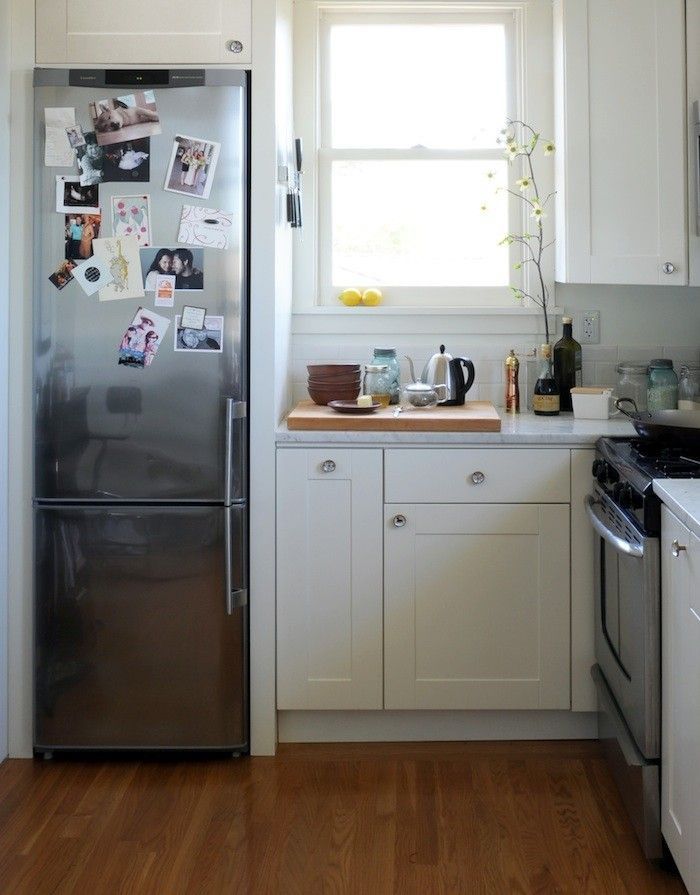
(399, 520)
(328, 466)
(677, 548)
(478, 478)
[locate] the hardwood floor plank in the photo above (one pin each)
(356, 819)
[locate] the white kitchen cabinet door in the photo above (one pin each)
(680, 733)
(620, 113)
(476, 606)
(329, 579)
(131, 32)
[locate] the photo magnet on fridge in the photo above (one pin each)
(121, 255)
(209, 338)
(90, 161)
(165, 290)
(207, 227)
(92, 275)
(80, 232)
(63, 274)
(123, 118)
(192, 165)
(71, 196)
(187, 265)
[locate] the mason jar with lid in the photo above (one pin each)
(662, 387)
(388, 357)
(689, 388)
(632, 383)
(378, 383)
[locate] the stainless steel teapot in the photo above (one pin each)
(443, 369)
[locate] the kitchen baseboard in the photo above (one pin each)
(419, 726)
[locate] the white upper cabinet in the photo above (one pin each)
(620, 103)
(132, 32)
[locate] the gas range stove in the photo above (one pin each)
(625, 468)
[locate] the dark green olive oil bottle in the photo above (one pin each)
(567, 365)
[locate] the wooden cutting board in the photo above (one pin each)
(474, 416)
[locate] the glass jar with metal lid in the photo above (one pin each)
(378, 382)
(689, 388)
(662, 386)
(632, 382)
(388, 356)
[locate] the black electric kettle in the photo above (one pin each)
(443, 369)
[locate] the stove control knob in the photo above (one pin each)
(596, 466)
(626, 497)
(617, 490)
(601, 472)
(613, 474)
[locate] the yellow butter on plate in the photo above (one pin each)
(365, 401)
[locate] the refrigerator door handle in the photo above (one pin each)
(236, 596)
(236, 412)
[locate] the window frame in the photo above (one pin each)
(313, 289)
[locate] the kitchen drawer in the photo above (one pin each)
(497, 475)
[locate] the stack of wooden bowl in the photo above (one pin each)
(334, 382)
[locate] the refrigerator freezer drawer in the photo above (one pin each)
(138, 643)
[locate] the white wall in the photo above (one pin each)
(5, 145)
(19, 491)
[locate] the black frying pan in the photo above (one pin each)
(678, 427)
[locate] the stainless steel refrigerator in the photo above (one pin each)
(140, 474)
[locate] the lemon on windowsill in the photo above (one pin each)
(372, 297)
(350, 297)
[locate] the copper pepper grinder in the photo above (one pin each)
(512, 387)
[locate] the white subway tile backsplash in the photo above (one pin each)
(681, 355)
(605, 374)
(607, 353)
(588, 373)
(639, 353)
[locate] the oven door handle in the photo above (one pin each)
(598, 523)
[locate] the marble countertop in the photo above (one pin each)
(523, 428)
(682, 497)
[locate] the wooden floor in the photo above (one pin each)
(492, 818)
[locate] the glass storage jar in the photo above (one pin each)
(378, 382)
(387, 356)
(662, 386)
(689, 388)
(632, 383)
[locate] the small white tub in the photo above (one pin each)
(591, 403)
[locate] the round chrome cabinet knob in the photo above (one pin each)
(676, 548)
(478, 478)
(328, 466)
(234, 46)
(399, 521)
(669, 268)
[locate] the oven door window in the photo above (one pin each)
(620, 591)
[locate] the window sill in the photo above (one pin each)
(405, 311)
(434, 321)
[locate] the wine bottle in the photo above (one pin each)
(567, 365)
(545, 401)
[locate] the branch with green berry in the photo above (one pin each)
(521, 140)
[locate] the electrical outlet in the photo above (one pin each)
(589, 327)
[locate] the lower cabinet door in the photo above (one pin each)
(477, 606)
(329, 579)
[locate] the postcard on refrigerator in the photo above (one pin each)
(207, 227)
(81, 230)
(186, 264)
(142, 338)
(72, 196)
(192, 165)
(121, 254)
(131, 216)
(91, 161)
(75, 136)
(123, 118)
(165, 290)
(209, 338)
(58, 152)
